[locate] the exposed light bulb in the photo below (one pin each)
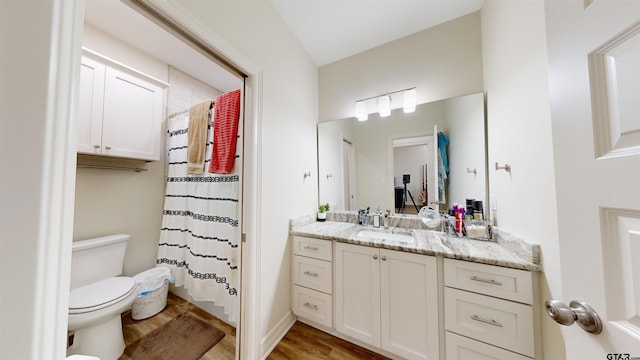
(361, 111)
(384, 106)
(409, 101)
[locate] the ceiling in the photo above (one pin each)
(143, 34)
(334, 29)
(329, 30)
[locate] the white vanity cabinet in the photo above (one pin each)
(488, 311)
(387, 299)
(119, 110)
(313, 280)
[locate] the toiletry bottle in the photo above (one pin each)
(469, 208)
(478, 211)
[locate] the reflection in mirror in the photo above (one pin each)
(363, 164)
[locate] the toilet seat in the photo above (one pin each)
(100, 294)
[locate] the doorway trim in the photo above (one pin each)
(55, 247)
(249, 321)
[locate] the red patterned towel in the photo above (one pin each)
(225, 132)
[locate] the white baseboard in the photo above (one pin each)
(273, 337)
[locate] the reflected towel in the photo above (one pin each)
(225, 132)
(443, 141)
(196, 147)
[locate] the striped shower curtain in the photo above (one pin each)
(200, 224)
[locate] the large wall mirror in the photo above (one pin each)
(391, 163)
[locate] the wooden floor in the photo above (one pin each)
(305, 342)
(135, 329)
(301, 342)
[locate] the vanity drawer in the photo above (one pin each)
(462, 348)
(315, 248)
(502, 323)
(505, 283)
(312, 273)
(313, 305)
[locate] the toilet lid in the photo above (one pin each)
(100, 294)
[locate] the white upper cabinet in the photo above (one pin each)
(119, 111)
(90, 104)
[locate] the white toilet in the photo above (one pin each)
(99, 296)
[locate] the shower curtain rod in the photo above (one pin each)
(107, 167)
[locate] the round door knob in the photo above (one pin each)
(108, 147)
(96, 146)
(375, 257)
(577, 312)
(384, 258)
(560, 312)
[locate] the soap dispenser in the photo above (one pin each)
(376, 219)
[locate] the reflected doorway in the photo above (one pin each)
(349, 171)
(412, 168)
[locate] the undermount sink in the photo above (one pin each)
(381, 235)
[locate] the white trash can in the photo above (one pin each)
(152, 287)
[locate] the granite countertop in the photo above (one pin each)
(506, 250)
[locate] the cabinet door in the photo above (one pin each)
(409, 304)
(89, 121)
(357, 292)
(132, 110)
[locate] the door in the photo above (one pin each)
(409, 304)
(594, 62)
(349, 171)
(357, 292)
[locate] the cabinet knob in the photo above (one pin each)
(384, 258)
(96, 146)
(108, 147)
(375, 257)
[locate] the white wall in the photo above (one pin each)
(111, 201)
(330, 161)
(441, 62)
(290, 106)
(519, 133)
(467, 149)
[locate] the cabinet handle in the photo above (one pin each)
(309, 273)
(384, 258)
(108, 147)
(488, 281)
(490, 322)
(96, 146)
(375, 257)
(311, 306)
(312, 248)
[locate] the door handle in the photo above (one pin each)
(577, 311)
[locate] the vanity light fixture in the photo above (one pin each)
(386, 102)
(361, 110)
(384, 105)
(410, 101)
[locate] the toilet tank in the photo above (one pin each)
(97, 259)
